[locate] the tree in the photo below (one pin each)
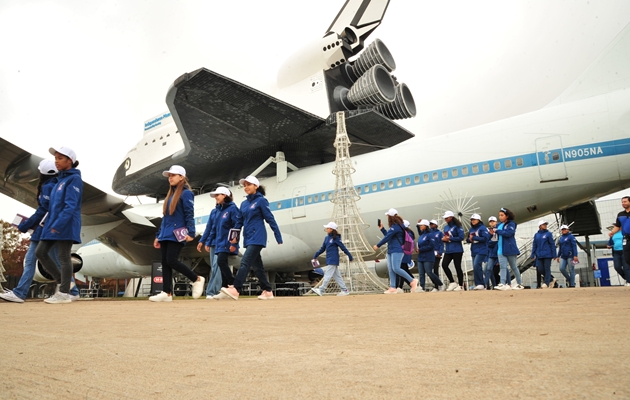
(14, 248)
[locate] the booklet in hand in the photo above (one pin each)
(19, 218)
(41, 223)
(315, 263)
(180, 233)
(234, 234)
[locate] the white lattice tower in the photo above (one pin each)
(350, 223)
(2, 270)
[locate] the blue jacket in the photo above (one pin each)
(43, 202)
(255, 211)
(493, 245)
(480, 241)
(568, 246)
(184, 215)
(395, 237)
(227, 217)
(616, 241)
(64, 209)
(507, 242)
(426, 246)
(331, 247)
(456, 234)
(623, 222)
(544, 246)
(437, 241)
(209, 236)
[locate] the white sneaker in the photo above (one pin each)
(435, 290)
(458, 289)
(399, 290)
(419, 289)
(220, 296)
(627, 284)
(451, 286)
(552, 284)
(210, 297)
(543, 286)
(480, 287)
(343, 293)
(74, 297)
(265, 295)
(162, 296)
(197, 287)
(518, 287)
(503, 286)
(58, 298)
(317, 291)
(10, 296)
(442, 288)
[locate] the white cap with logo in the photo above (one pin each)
(424, 222)
(406, 223)
(476, 216)
(47, 167)
(175, 169)
(251, 179)
(66, 151)
(493, 218)
(542, 222)
(564, 227)
(391, 212)
(330, 225)
(220, 190)
(433, 222)
(448, 214)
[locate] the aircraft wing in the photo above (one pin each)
(230, 129)
(102, 214)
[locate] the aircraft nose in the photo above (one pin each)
(119, 176)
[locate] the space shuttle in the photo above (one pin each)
(568, 153)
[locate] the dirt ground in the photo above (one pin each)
(561, 343)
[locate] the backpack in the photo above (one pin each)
(408, 244)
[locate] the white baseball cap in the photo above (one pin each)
(493, 218)
(406, 223)
(175, 169)
(47, 167)
(433, 222)
(476, 216)
(424, 222)
(542, 222)
(66, 151)
(564, 227)
(391, 212)
(220, 190)
(448, 214)
(251, 179)
(330, 225)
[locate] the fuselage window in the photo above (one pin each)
(407, 181)
(416, 179)
(374, 187)
(309, 199)
(279, 205)
(390, 184)
(519, 162)
(316, 197)
(444, 174)
(454, 172)
(464, 170)
(366, 189)
(435, 176)
(485, 167)
(425, 178)
(382, 185)
(508, 163)
(497, 165)
(358, 189)
(475, 169)
(555, 156)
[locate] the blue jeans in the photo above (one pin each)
(426, 267)
(393, 267)
(489, 272)
(214, 282)
(503, 262)
(570, 277)
(478, 268)
(543, 266)
(333, 272)
(250, 259)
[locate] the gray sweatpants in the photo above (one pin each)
(333, 272)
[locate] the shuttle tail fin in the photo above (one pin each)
(609, 72)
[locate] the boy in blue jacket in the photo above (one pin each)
(567, 255)
(332, 244)
(543, 251)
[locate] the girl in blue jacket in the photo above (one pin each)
(406, 261)
(62, 223)
(478, 236)
(332, 244)
(507, 250)
(567, 255)
(177, 228)
(426, 256)
(255, 211)
(47, 180)
(453, 250)
(543, 251)
(616, 244)
(395, 238)
(488, 275)
(227, 217)
(208, 242)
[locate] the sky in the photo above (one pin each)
(88, 74)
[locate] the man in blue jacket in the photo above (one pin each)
(623, 224)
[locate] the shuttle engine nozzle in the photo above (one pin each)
(402, 107)
(375, 54)
(374, 87)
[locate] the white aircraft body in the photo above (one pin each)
(574, 150)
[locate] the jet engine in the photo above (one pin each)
(41, 275)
